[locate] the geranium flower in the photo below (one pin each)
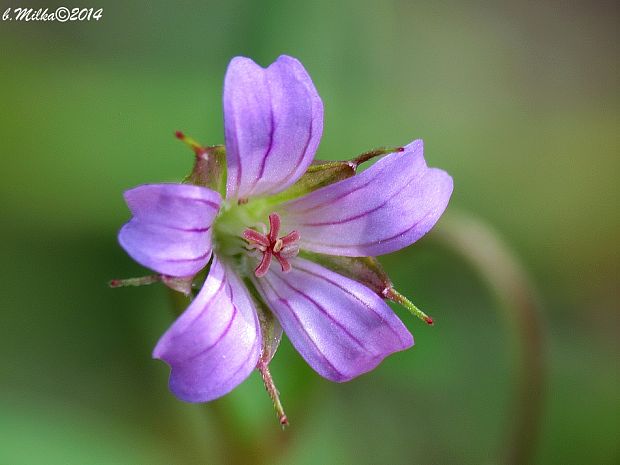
(338, 322)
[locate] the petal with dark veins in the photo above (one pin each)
(170, 231)
(273, 122)
(339, 326)
(215, 344)
(383, 209)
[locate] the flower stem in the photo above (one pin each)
(481, 246)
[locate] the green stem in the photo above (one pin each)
(481, 246)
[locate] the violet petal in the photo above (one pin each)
(170, 231)
(340, 327)
(273, 121)
(383, 209)
(215, 344)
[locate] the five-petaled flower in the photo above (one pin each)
(273, 122)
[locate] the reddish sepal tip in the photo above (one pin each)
(400, 149)
(429, 321)
(114, 283)
(284, 420)
(179, 135)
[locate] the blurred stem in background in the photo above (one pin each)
(480, 245)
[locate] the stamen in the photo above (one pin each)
(274, 226)
(255, 237)
(290, 251)
(263, 266)
(270, 246)
(290, 238)
(284, 263)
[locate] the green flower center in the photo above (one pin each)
(241, 238)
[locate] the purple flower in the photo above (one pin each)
(273, 122)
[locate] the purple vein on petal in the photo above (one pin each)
(340, 196)
(234, 152)
(186, 260)
(213, 205)
(303, 153)
(220, 337)
(320, 352)
(364, 244)
(324, 311)
(225, 332)
(253, 347)
(242, 364)
(207, 303)
(272, 128)
(177, 228)
(232, 375)
(299, 267)
(415, 176)
(367, 212)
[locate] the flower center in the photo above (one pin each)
(270, 245)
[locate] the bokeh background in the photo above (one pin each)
(518, 100)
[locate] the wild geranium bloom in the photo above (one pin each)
(270, 239)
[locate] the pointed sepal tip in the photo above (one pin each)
(392, 294)
(191, 143)
(270, 386)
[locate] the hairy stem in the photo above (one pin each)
(395, 296)
(270, 386)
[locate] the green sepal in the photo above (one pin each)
(271, 335)
(365, 270)
(179, 301)
(183, 285)
(395, 296)
(323, 173)
(369, 272)
(271, 331)
(209, 168)
(319, 174)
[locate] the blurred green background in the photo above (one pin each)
(518, 100)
